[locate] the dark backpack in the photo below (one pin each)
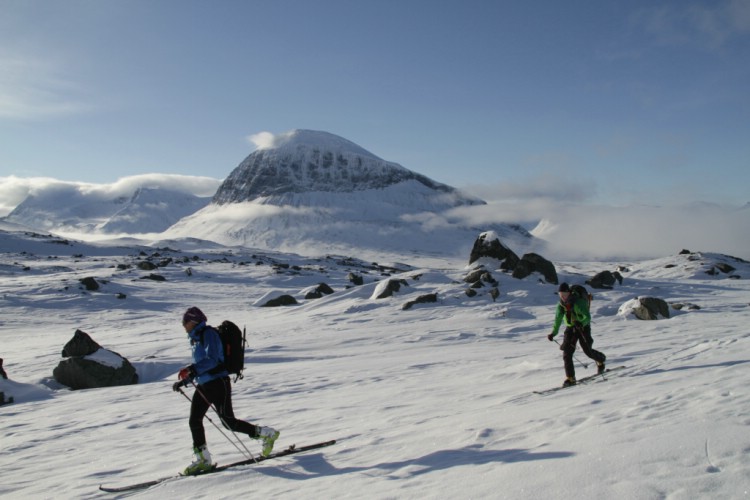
(234, 340)
(581, 292)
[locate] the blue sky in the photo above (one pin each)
(636, 102)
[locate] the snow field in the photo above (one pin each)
(434, 402)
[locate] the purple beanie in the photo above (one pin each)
(193, 314)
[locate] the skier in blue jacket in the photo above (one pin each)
(213, 388)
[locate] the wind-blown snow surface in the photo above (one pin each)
(432, 402)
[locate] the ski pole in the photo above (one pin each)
(574, 356)
(246, 453)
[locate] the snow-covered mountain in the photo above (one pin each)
(315, 191)
(306, 161)
(305, 191)
(69, 208)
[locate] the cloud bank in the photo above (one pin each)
(574, 228)
(577, 229)
(13, 190)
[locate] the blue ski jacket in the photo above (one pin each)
(208, 354)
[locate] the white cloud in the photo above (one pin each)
(577, 231)
(708, 25)
(262, 140)
(268, 140)
(13, 190)
(32, 88)
(540, 187)
(198, 186)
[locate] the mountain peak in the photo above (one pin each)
(305, 161)
(309, 139)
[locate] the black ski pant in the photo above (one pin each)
(219, 393)
(571, 337)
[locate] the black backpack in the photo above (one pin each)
(234, 340)
(581, 292)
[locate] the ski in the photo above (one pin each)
(288, 451)
(581, 381)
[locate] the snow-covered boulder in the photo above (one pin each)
(488, 245)
(387, 288)
(646, 308)
(87, 365)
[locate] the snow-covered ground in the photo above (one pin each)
(431, 402)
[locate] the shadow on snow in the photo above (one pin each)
(317, 465)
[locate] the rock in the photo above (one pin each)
(80, 345)
(651, 308)
(320, 290)
(355, 279)
(474, 275)
(480, 275)
(154, 277)
(4, 401)
(282, 300)
(489, 245)
(324, 289)
(88, 365)
(679, 306)
(531, 263)
(389, 288)
(422, 299)
(90, 372)
(90, 284)
(605, 280)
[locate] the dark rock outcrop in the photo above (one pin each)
(355, 279)
(282, 300)
(320, 290)
(489, 245)
(422, 299)
(605, 280)
(391, 287)
(534, 263)
(87, 365)
(90, 284)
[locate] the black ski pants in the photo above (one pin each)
(571, 337)
(219, 393)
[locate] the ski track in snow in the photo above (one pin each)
(433, 402)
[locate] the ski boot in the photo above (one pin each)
(600, 367)
(269, 436)
(569, 381)
(201, 464)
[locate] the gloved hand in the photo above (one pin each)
(551, 337)
(186, 373)
(179, 385)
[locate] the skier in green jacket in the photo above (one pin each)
(574, 310)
